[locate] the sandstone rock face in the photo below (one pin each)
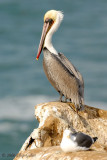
(54, 118)
(55, 153)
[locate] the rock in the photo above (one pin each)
(55, 153)
(54, 118)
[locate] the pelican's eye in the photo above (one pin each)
(49, 20)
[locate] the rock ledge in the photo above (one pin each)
(54, 118)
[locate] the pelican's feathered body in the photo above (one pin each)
(63, 76)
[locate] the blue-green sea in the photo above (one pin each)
(82, 37)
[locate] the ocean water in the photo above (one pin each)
(82, 37)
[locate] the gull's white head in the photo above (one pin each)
(67, 133)
(52, 20)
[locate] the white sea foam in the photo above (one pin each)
(100, 105)
(22, 108)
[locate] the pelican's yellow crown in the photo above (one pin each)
(51, 14)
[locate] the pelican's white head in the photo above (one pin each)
(54, 15)
(52, 20)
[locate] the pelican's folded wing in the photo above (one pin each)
(68, 65)
(74, 71)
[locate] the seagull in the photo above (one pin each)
(77, 141)
(61, 73)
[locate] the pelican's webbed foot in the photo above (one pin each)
(79, 108)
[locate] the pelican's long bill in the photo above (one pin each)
(44, 32)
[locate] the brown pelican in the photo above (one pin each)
(60, 72)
